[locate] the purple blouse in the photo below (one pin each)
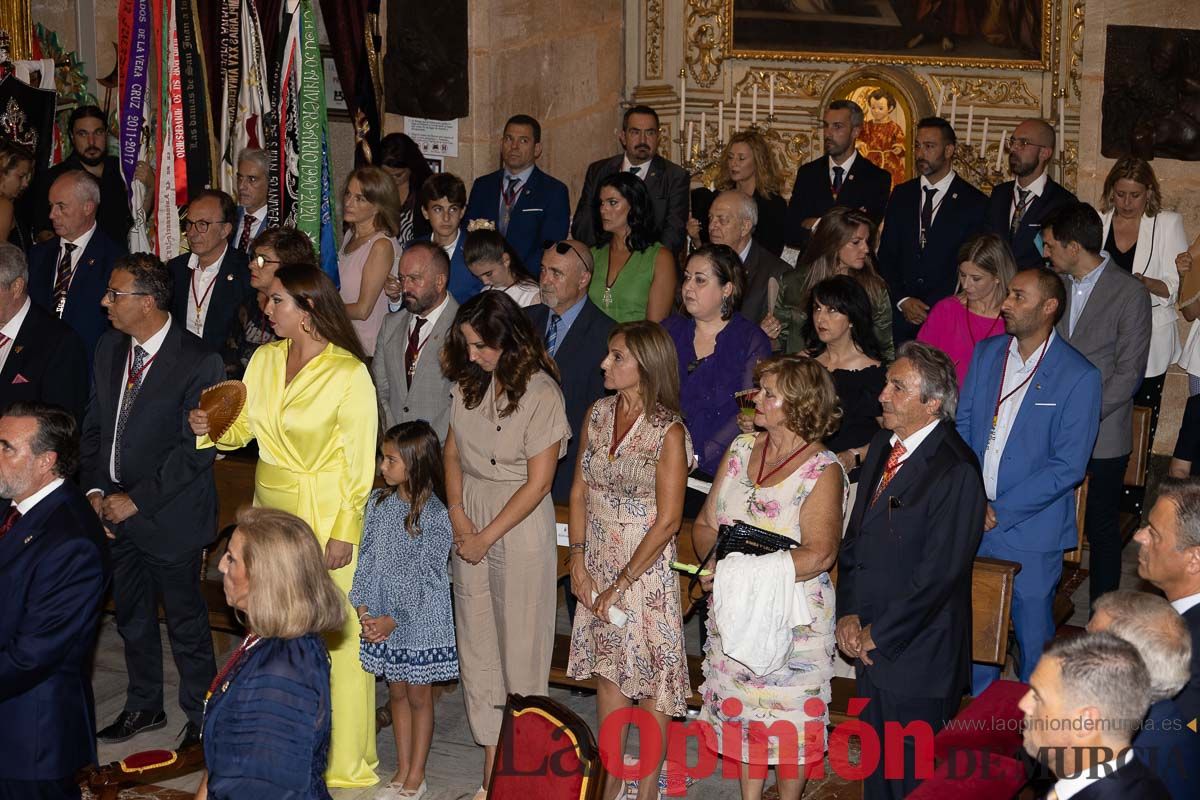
(706, 386)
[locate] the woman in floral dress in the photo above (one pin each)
(626, 507)
(786, 481)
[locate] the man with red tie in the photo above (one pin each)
(904, 583)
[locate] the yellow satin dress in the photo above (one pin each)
(316, 442)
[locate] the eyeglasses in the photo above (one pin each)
(112, 294)
(201, 225)
(564, 247)
(1021, 144)
(262, 261)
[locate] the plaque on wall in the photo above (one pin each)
(1151, 105)
(1003, 33)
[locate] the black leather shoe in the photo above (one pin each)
(189, 736)
(129, 724)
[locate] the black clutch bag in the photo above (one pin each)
(741, 537)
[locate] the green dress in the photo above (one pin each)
(625, 300)
(791, 312)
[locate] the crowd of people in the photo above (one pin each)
(889, 379)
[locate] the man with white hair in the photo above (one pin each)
(1159, 634)
(253, 168)
(732, 218)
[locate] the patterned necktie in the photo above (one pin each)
(1019, 211)
(62, 279)
(10, 519)
(837, 180)
(927, 214)
(4, 340)
(132, 384)
(247, 227)
(889, 469)
(552, 334)
(510, 199)
(411, 352)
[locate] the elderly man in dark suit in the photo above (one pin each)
(1109, 320)
(153, 489)
(68, 274)
(927, 221)
(41, 359)
(732, 218)
(666, 182)
(53, 575)
(1017, 208)
(841, 177)
(904, 587)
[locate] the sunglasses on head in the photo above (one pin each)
(564, 247)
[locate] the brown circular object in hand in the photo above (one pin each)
(223, 403)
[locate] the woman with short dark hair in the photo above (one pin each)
(634, 275)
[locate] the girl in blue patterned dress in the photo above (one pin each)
(402, 594)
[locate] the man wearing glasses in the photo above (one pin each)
(1018, 207)
(212, 282)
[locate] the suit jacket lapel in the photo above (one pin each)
(16, 354)
(1097, 301)
(911, 470)
(575, 334)
(527, 198)
(158, 376)
(1041, 386)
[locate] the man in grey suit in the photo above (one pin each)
(732, 218)
(406, 367)
(666, 182)
(1107, 319)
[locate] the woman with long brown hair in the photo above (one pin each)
(842, 244)
(369, 252)
(508, 428)
(311, 406)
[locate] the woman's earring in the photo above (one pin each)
(725, 306)
(304, 327)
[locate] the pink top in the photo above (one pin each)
(955, 331)
(350, 273)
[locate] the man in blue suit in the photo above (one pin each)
(528, 206)
(69, 273)
(1030, 409)
(53, 575)
(928, 219)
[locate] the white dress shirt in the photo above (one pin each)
(1066, 788)
(1185, 604)
(1018, 372)
(26, 505)
(1037, 187)
(642, 169)
(942, 187)
(151, 346)
(845, 165)
(431, 319)
(201, 285)
(81, 244)
(11, 329)
(914, 440)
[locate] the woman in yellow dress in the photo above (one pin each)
(311, 405)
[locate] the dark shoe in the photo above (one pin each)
(189, 736)
(129, 724)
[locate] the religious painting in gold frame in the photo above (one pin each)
(888, 122)
(1009, 34)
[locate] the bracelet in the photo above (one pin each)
(454, 506)
(363, 615)
(577, 546)
(627, 575)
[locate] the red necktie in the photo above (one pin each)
(247, 226)
(10, 519)
(889, 469)
(412, 351)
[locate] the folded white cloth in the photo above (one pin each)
(756, 603)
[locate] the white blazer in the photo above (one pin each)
(1160, 239)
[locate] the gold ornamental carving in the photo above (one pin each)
(1077, 15)
(654, 38)
(704, 34)
(788, 82)
(989, 91)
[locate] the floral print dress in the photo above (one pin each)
(645, 659)
(734, 696)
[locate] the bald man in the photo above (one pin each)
(1018, 207)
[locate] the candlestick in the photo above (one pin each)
(683, 100)
(970, 122)
(1000, 149)
(941, 99)
(771, 96)
(953, 107)
(983, 145)
(691, 130)
(754, 106)
(721, 120)
(703, 125)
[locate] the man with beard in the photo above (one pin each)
(927, 221)
(666, 182)
(89, 140)
(1030, 408)
(406, 369)
(838, 178)
(1018, 208)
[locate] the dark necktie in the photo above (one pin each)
(837, 180)
(510, 199)
(10, 519)
(412, 351)
(133, 383)
(635, 170)
(62, 279)
(247, 228)
(927, 214)
(1019, 211)
(552, 333)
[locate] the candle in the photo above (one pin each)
(953, 107)
(721, 120)
(691, 131)
(754, 106)
(1062, 124)
(682, 99)
(1000, 149)
(941, 100)
(737, 112)
(771, 96)
(970, 122)
(703, 125)
(983, 145)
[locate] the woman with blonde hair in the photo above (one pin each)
(747, 166)
(267, 717)
(957, 323)
(371, 209)
(626, 507)
(843, 243)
